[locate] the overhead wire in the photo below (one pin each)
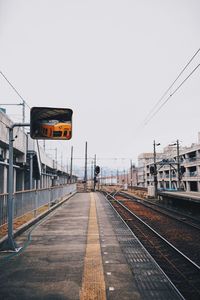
(159, 108)
(165, 93)
(12, 86)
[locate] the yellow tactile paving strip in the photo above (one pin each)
(93, 284)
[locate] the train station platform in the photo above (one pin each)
(188, 196)
(82, 250)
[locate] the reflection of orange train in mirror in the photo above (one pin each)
(56, 129)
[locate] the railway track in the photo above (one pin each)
(182, 270)
(182, 234)
(175, 214)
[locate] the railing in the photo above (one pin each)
(190, 159)
(32, 200)
(166, 176)
(191, 174)
(173, 175)
(194, 159)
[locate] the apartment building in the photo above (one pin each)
(167, 168)
(144, 160)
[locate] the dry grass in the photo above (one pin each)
(18, 222)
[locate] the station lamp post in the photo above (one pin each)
(155, 168)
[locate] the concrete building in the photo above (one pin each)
(33, 168)
(145, 159)
(167, 168)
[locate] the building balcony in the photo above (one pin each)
(192, 161)
(189, 159)
(191, 174)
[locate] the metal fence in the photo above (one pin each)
(31, 201)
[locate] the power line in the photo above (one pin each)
(165, 93)
(159, 108)
(14, 88)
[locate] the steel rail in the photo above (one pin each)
(153, 259)
(179, 270)
(160, 236)
(161, 210)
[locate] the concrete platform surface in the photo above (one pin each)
(83, 245)
(189, 196)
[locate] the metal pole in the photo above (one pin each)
(61, 160)
(178, 165)
(94, 172)
(11, 245)
(31, 171)
(101, 178)
(56, 154)
(85, 177)
(131, 175)
(71, 164)
(117, 177)
(155, 169)
(23, 111)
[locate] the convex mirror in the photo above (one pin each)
(51, 123)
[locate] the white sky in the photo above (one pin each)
(110, 61)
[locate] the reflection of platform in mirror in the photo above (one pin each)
(51, 123)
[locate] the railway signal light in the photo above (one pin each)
(97, 170)
(152, 170)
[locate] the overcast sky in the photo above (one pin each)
(110, 61)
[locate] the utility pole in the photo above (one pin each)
(95, 161)
(92, 172)
(23, 111)
(55, 155)
(178, 165)
(31, 171)
(131, 175)
(85, 176)
(61, 160)
(101, 182)
(71, 164)
(117, 177)
(155, 169)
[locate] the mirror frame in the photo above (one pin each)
(51, 123)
